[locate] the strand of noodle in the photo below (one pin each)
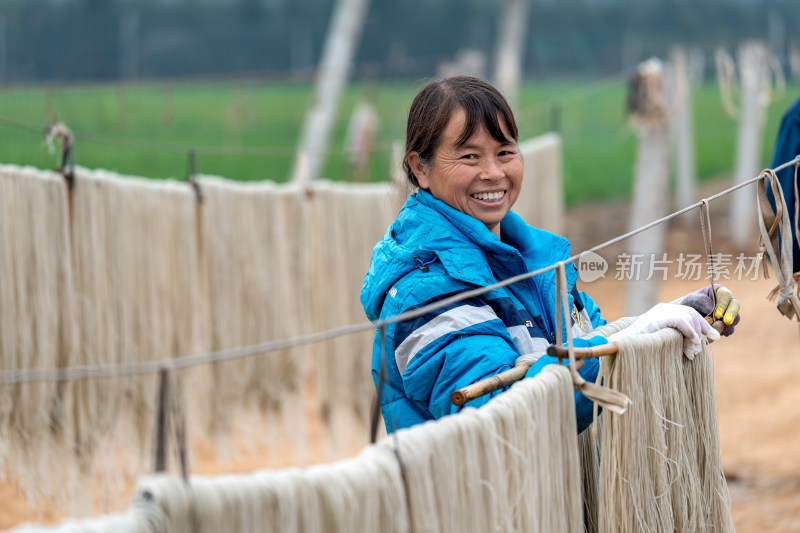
(155, 288)
(589, 451)
(268, 379)
(136, 279)
(276, 383)
(702, 405)
(320, 228)
(154, 281)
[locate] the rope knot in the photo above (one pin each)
(776, 243)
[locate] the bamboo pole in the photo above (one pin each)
(512, 375)
(504, 379)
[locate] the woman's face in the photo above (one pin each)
(481, 178)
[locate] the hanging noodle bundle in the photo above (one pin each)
(345, 222)
(94, 206)
(36, 326)
(589, 445)
(253, 253)
(509, 466)
(659, 464)
(540, 202)
(138, 286)
(290, 313)
(354, 495)
(125, 270)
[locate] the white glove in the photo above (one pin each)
(681, 317)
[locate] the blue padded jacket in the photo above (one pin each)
(433, 251)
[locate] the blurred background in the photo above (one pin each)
(234, 79)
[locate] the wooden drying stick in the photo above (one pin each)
(504, 379)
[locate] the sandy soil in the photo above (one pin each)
(757, 372)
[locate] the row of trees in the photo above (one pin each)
(68, 40)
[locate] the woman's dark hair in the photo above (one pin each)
(434, 105)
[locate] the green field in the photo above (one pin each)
(265, 119)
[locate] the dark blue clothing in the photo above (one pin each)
(787, 146)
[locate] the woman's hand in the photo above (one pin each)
(727, 308)
(681, 317)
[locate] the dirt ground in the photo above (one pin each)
(757, 372)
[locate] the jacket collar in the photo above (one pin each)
(472, 243)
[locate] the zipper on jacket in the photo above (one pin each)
(534, 288)
(545, 314)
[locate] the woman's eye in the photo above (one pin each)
(469, 156)
(507, 153)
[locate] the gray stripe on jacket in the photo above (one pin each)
(453, 320)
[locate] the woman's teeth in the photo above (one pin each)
(488, 196)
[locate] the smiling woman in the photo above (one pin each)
(458, 232)
(480, 176)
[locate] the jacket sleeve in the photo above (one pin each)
(451, 348)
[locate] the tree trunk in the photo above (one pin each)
(682, 132)
(510, 53)
(753, 75)
(650, 191)
(337, 56)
